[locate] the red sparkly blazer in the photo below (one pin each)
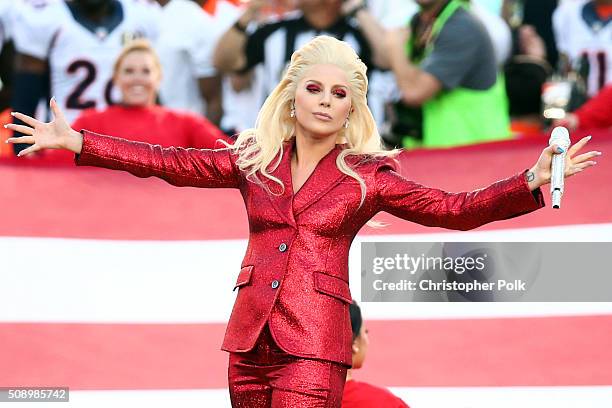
(294, 275)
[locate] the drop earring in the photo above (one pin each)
(346, 123)
(292, 113)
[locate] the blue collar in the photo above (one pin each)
(103, 28)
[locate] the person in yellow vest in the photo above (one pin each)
(445, 67)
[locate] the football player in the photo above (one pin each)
(70, 47)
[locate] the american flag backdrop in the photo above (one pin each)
(120, 288)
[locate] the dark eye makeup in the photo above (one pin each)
(340, 93)
(312, 88)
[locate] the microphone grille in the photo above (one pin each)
(560, 136)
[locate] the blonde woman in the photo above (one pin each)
(137, 74)
(311, 174)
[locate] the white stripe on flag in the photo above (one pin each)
(73, 280)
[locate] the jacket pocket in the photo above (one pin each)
(244, 277)
(332, 286)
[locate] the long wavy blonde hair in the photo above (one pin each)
(258, 147)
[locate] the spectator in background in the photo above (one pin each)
(394, 14)
(137, 73)
(534, 57)
(187, 39)
(359, 394)
(596, 113)
(242, 95)
(498, 31)
(447, 73)
(538, 15)
(584, 28)
(75, 43)
(7, 54)
(391, 14)
(272, 43)
(526, 73)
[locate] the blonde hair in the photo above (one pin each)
(137, 45)
(259, 146)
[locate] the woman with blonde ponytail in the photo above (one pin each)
(311, 173)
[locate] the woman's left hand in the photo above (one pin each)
(540, 173)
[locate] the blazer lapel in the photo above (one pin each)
(283, 203)
(324, 177)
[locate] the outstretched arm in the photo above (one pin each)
(461, 211)
(514, 196)
(177, 166)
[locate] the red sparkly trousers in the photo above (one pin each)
(269, 377)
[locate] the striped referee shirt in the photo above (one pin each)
(273, 43)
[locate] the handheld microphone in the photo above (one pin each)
(560, 137)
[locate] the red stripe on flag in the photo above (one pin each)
(94, 203)
(551, 351)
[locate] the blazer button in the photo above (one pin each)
(274, 284)
(282, 247)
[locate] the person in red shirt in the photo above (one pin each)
(137, 74)
(596, 113)
(359, 394)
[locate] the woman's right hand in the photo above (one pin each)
(56, 134)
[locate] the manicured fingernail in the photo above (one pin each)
(12, 113)
(589, 137)
(19, 154)
(599, 153)
(6, 126)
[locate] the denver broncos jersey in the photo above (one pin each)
(80, 53)
(579, 32)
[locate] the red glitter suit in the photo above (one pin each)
(291, 312)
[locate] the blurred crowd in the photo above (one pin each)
(194, 73)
